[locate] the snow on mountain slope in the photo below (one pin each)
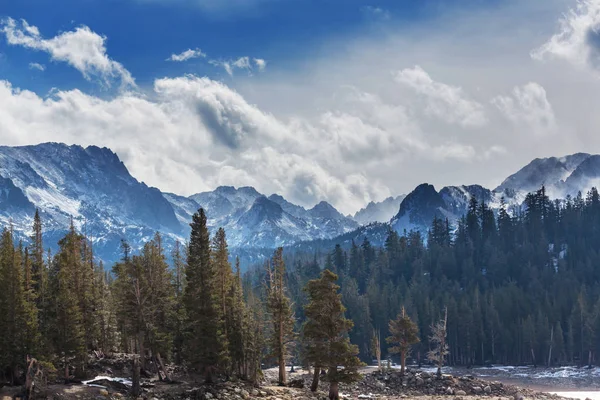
(551, 172)
(253, 220)
(89, 185)
(94, 189)
(561, 176)
(382, 211)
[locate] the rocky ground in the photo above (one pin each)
(113, 372)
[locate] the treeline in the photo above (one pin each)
(502, 288)
(519, 289)
(59, 311)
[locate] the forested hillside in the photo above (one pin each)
(494, 289)
(518, 289)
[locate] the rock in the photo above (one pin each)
(208, 396)
(477, 389)
(449, 391)
(104, 392)
(296, 383)
(244, 394)
(460, 393)
(518, 396)
(487, 389)
(419, 381)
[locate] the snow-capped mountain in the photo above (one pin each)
(382, 211)
(89, 185)
(561, 177)
(254, 220)
(94, 189)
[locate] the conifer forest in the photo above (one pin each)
(518, 287)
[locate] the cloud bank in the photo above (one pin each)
(359, 120)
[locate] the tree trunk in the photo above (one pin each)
(30, 377)
(141, 350)
(551, 342)
(135, 381)
(208, 378)
(402, 362)
(315, 382)
(334, 391)
(66, 371)
(282, 379)
(161, 365)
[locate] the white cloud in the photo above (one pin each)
(83, 49)
(187, 55)
(528, 106)
(37, 66)
(376, 13)
(260, 64)
(447, 102)
(242, 63)
(343, 132)
(578, 40)
(195, 133)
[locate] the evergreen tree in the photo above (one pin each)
(404, 333)
(18, 315)
(203, 337)
(326, 332)
(280, 310)
(145, 297)
(224, 282)
(68, 332)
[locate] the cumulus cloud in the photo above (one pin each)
(82, 49)
(187, 55)
(528, 105)
(369, 140)
(194, 134)
(447, 102)
(37, 66)
(578, 40)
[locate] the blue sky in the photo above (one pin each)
(141, 34)
(346, 101)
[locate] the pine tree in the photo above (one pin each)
(40, 284)
(376, 346)
(404, 333)
(68, 333)
(326, 332)
(224, 281)
(203, 338)
(280, 310)
(254, 340)
(145, 297)
(18, 315)
(179, 270)
(235, 322)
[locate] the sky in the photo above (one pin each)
(347, 101)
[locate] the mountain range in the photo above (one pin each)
(93, 189)
(561, 176)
